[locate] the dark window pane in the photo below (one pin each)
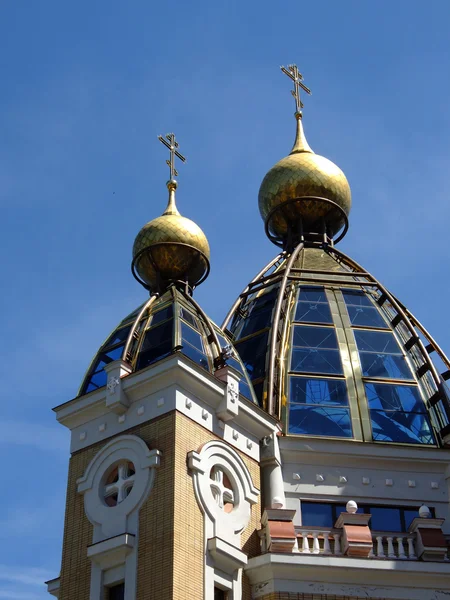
(162, 315)
(258, 388)
(157, 344)
(310, 360)
(253, 354)
(195, 355)
(318, 391)
(191, 336)
(355, 298)
(120, 335)
(315, 337)
(389, 366)
(312, 294)
(104, 358)
(232, 362)
(316, 514)
(400, 427)
(117, 592)
(365, 316)
(394, 397)
(309, 312)
(189, 317)
(385, 519)
(317, 420)
(268, 298)
(255, 322)
(376, 341)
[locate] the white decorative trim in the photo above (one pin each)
(115, 527)
(223, 555)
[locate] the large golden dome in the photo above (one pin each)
(304, 190)
(170, 248)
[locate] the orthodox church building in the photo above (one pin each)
(299, 451)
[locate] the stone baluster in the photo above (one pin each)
(411, 551)
(316, 545)
(326, 543)
(380, 551)
(401, 549)
(391, 551)
(337, 544)
(371, 554)
(305, 545)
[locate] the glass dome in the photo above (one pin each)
(158, 328)
(332, 353)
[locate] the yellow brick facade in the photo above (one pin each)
(171, 544)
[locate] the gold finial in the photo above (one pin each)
(170, 142)
(293, 72)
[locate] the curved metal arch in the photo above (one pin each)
(247, 290)
(405, 316)
(130, 337)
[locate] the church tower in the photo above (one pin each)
(301, 451)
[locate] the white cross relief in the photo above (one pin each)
(112, 384)
(119, 483)
(221, 489)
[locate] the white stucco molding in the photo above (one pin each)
(110, 521)
(226, 525)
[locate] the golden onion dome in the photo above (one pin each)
(304, 193)
(171, 248)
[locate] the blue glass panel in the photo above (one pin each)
(162, 315)
(253, 354)
(315, 337)
(244, 389)
(99, 379)
(255, 322)
(258, 388)
(389, 366)
(311, 360)
(310, 312)
(318, 420)
(356, 298)
(365, 316)
(191, 336)
(157, 344)
(376, 341)
(385, 519)
(318, 391)
(120, 335)
(394, 397)
(312, 294)
(401, 427)
(235, 364)
(189, 317)
(410, 514)
(90, 388)
(195, 355)
(104, 358)
(316, 514)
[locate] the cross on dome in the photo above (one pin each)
(221, 489)
(294, 74)
(170, 142)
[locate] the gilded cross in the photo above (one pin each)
(170, 142)
(293, 72)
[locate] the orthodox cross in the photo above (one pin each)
(221, 488)
(170, 142)
(293, 72)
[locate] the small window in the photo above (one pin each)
(220, 594)
(381, 356)
(157, 344)
(253, 354)
(361, 310)
(315, 350)
(161, 315)
(193, 345)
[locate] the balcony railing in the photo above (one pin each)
(328, 541)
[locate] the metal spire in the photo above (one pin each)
(170, 142)
(293, 72)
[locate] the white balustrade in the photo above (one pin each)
(395, 547)
(321, 541)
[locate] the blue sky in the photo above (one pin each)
(86, 89)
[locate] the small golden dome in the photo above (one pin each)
(170, 248)
(303, 190)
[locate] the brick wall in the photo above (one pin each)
(170, 545)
